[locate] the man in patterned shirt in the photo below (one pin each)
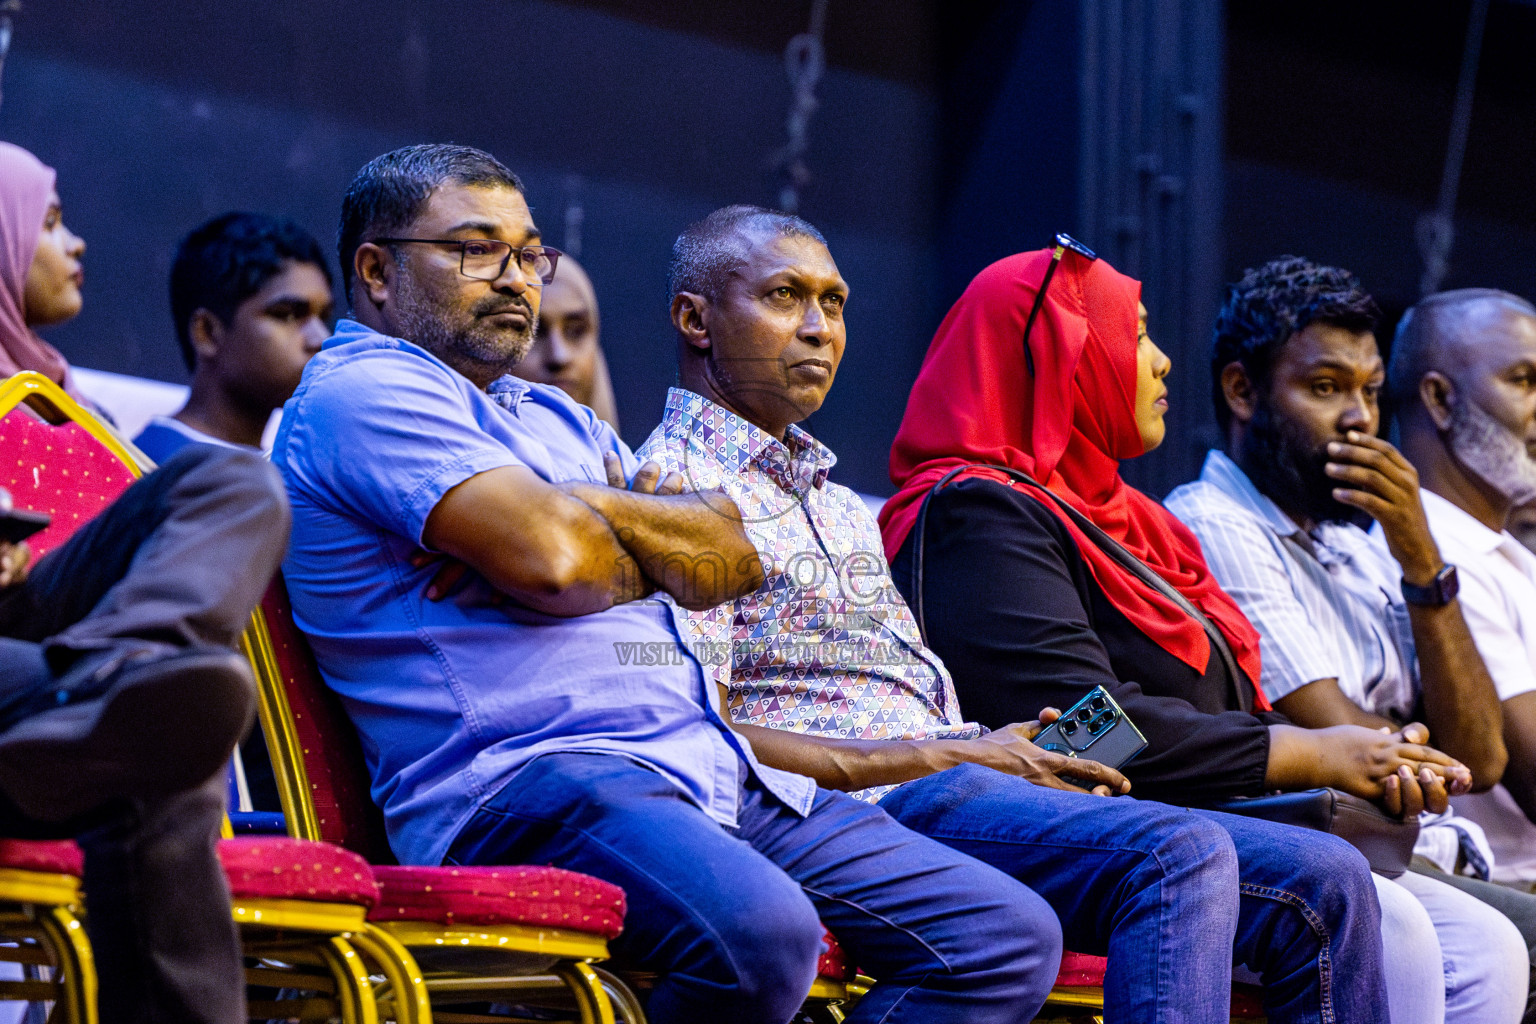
(823, 670)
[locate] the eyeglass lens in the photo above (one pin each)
(487, 260)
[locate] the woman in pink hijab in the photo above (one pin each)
(40, 271)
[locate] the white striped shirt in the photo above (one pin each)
(1327, 605)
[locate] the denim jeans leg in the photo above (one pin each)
(731, 918)
(730, 935)
(1515, 904)
(1411, 956)
(1308, 922)
(1486, 963)
(1154, 887)
(949, 938)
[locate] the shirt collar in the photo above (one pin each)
(797, 464)
(508, 391)
(1447, 519)
(1223, 474)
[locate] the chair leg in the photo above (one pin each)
(408, 989)
(66, 934)
(626, 1004)
(591, 1001)
(353, 989)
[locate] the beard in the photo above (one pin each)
(1492, 453)
(463, 335)
(1285, 467)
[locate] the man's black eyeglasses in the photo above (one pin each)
(1063, 243)
(486, 259)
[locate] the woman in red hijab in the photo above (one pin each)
(1026, 610)
(40, 271)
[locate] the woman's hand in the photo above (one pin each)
(1396, 769)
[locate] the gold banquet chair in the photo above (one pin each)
(40, 922)
(443, 936)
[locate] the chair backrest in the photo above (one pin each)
(57, 457)
(321, 774)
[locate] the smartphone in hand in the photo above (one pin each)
(1095, 728)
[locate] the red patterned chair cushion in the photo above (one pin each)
(833, 962)
(55, 856)
(523, 895)
(1081, 969)
(333, 758)
(295, 869)
(61, 470)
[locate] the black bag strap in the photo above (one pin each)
(1135, 566)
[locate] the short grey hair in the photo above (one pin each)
(1432, 323)
(390, 190)
(709, 250)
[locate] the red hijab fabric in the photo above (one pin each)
(1068, 426)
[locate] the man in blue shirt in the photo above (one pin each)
(509, 731)
(251, 298)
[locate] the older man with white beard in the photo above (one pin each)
(1463, 374)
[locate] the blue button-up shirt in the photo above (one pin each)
(451, 698)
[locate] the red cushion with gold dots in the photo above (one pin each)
(271, 867)
(1080, 969)
(833, 962)
(525, 895)
(61, 470)
(55, 856)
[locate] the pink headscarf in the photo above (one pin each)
(25, 186)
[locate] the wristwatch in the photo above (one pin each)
(1438, 593)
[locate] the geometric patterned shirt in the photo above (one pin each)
(826, 645)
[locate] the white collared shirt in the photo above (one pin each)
(1498, 599)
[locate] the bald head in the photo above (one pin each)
(1448, 331)
(1464, 374)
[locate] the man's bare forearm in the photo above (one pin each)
(846, 765)
(1461, 705)
(692, 546)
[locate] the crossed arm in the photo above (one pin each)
(573, 549)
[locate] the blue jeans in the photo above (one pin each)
(1174, 897)
(731, 918)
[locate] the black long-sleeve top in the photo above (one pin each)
(1018, 618)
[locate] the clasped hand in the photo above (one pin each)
(1395, 768)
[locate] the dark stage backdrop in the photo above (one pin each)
(1183, 139)
(158, 115)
